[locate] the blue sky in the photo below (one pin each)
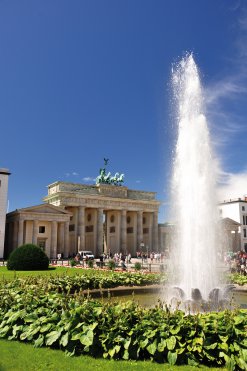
(83, 80)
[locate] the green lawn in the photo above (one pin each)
(9, 275)
(17, 356)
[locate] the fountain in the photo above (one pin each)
(194, 201)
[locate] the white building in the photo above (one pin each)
(236, 209)
(4, 177)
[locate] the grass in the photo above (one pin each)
(16, 356)
(10, 275)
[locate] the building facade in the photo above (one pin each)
(76, 217)
(237, 210)
(4, 178)
(107, 218)
(44, 225)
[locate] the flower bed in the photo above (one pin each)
(122, 331)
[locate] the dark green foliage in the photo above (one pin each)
(30, 312)
(138, 266)
(72, 262)
(90, 263)
(28, 258)
(111, 265)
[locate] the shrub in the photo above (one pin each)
(90, 263)
(28, 257)
(111, 264)
(72, 262)
(138, 266)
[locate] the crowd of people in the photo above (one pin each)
(155, 257)
(237, 262)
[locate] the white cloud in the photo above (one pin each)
(73, 173)
(138, 181)
(232, 186)
(88, 179)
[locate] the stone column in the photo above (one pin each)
(61, 238)
(99, 246)
(53, 249)
(66, 239)
(123, 236)
(35, 231)
(81, 228)
(155, 232)
(139, 229)
(15, 235)
(20, 232)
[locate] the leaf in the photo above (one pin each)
(198, 341)
(211, 346)
(76, 336)
(172, 357)
(111, 352)
(143, 343)
(175, 330)
(52, 337)
(64, 339)
(192, 362)
(87, 339)
(171, 343)
(31, 317)
(223, 346)
(241, 363)
(223, 338)
(46, 327)
(127, 344)
(39, 342)
(152, 347)
(244, 353)
(238, 320)
(236, 346)
(126, 354)
(4, 331)
(162, 345)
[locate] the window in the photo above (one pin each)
(89, 217)
(243, 208)
(244, 232)
(112, 229)
(128, 219)
(130, 230)
(112, 218)
(144, 220)
(42, 229)
(71, 227)
(89, 228)
(145, 230)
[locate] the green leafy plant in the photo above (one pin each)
(138, 266)
(111, 264)
(90, 263)
(239, 279)
(28, 257)
(72, 262)
(31, 313)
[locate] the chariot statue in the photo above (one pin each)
(107, 178)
